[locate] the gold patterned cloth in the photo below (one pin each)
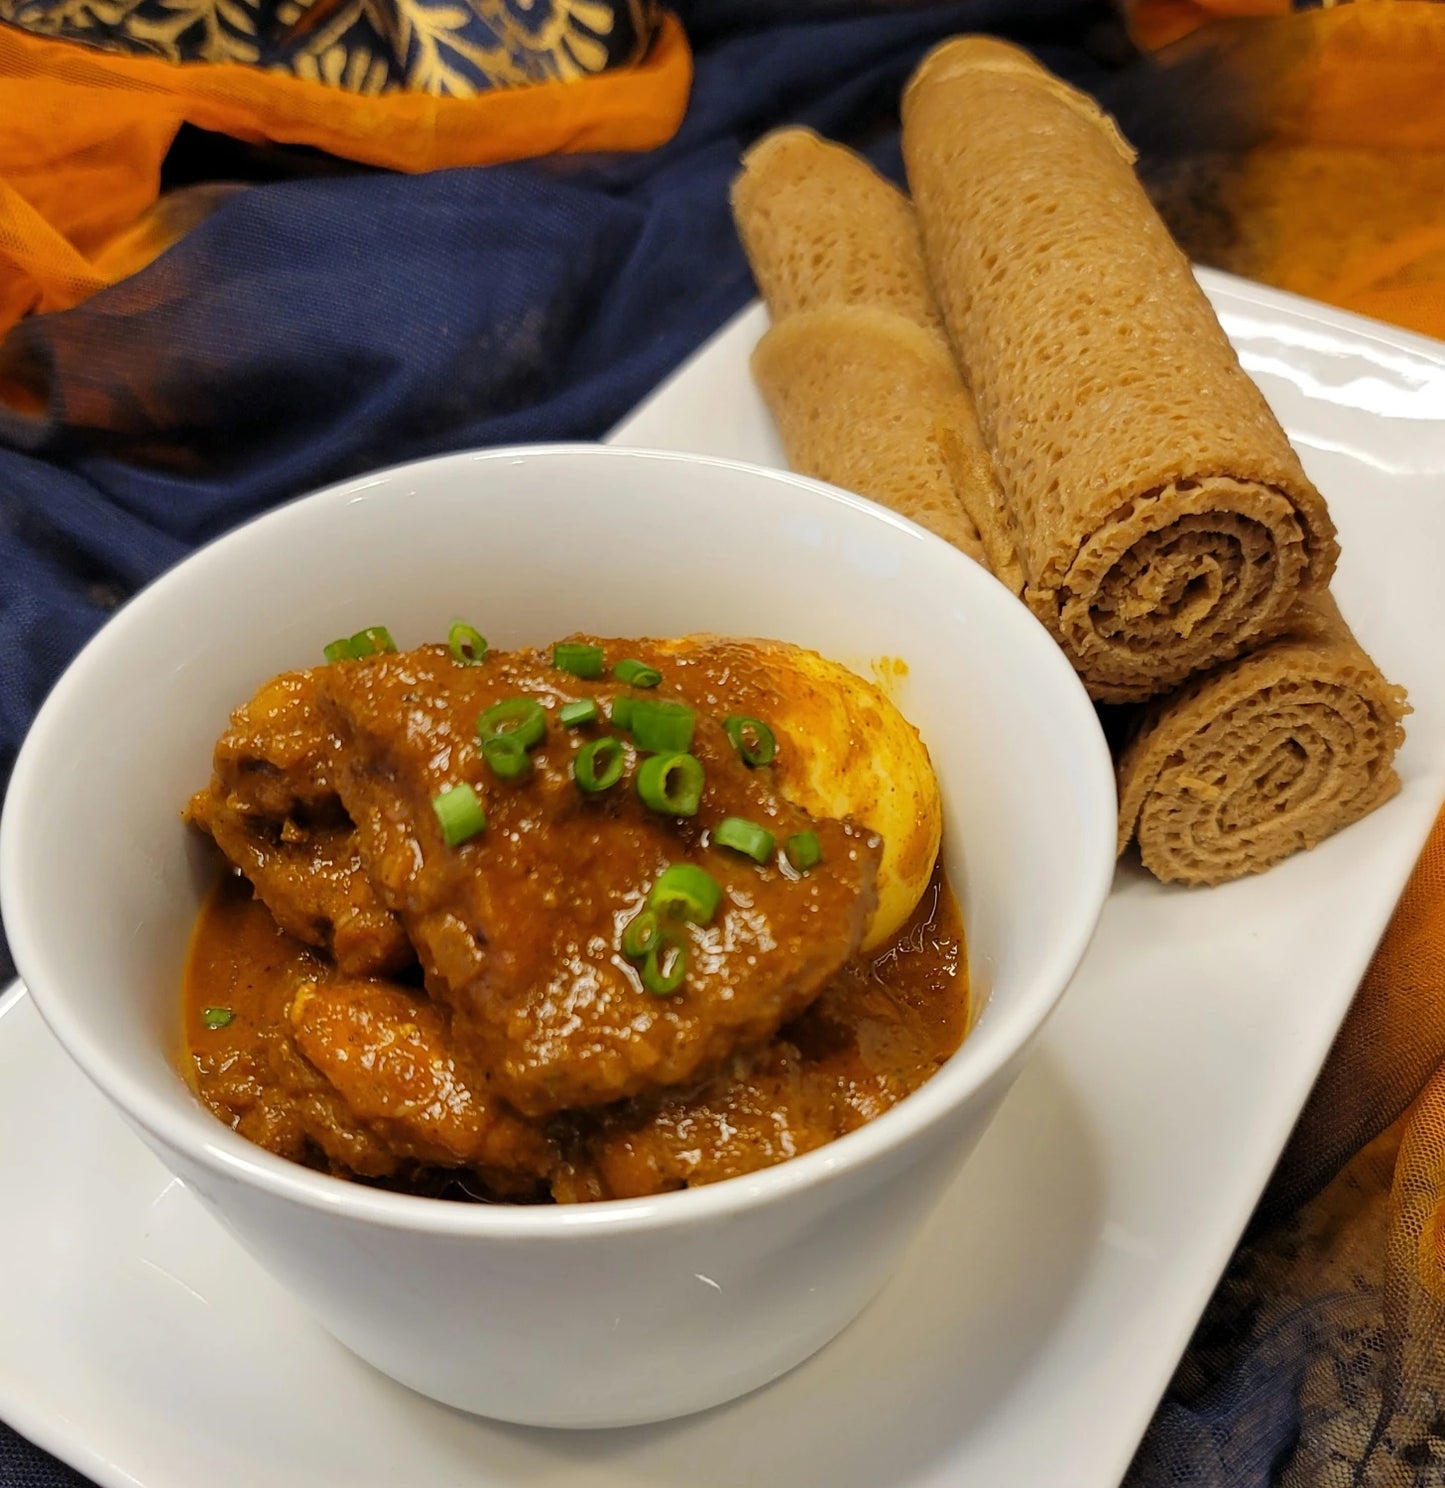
(450, 48)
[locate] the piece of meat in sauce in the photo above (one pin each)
(273, 811)
(352, 1075)
(248, 1069)
(387, 1053)
(518, 929)
(880, 1029)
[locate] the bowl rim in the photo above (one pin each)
(987, 1050)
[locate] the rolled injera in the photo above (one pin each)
(1161, 520)
(1263, 756)
(822, 228)
(856, 370)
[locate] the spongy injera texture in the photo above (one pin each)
(861, 398)
(1162, 521)
(857, 371)
(821, 228)
(1262, 757)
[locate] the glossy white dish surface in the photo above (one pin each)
(1036, 1319)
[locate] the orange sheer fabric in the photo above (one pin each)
(83, 134)
(1344, 197)
(1340, 197)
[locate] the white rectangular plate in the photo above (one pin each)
(1037, 1319)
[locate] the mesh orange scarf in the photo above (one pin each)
(1339, 195)
(83, 132)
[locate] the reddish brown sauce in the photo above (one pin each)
(875, 1034)
(396, 1008)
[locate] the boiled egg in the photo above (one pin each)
(844, 751)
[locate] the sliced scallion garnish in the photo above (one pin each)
(522, 718)
(803, 850)
(598, 766)
(578, 658)
(665, 964)
(671, 783)
(636, 673)
(372, 641)
(684, 891)
(467, 644)
(507, 756)
(752, 739)
(641, 934)
(746, 837)
(661, 727)
(459, 813)
(575, 714)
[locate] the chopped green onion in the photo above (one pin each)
(578, 658)
(671, 783)
(574, 715)
(636, 673)
(641, 935)
(665, 965)
(684, 891)
(507, 756)
(752, 739)
(745, 837)
(620, 714)
(371, 641)
(804, 851)
(598, 766)
(216, 1017)
(364, 643)
(467, 644)
(522, 718)
(662, 727)
(459, 813)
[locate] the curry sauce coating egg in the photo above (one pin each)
(844, 750)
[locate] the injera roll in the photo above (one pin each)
(856, 370)
(1162, 522)
(1262, 757)
(821, 227)
(860, 398)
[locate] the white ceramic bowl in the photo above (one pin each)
(600, 1314)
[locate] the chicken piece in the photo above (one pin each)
(869, 1040)
(272, 1097)
(273, 811)
(758, 1112)
(247, 1069)
(385, 1051)
(312, 881)
(277, 757)
(518, 929)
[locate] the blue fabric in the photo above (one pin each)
(1231, 1417)
(312, 328)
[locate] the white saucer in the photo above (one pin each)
(1040, 1314)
